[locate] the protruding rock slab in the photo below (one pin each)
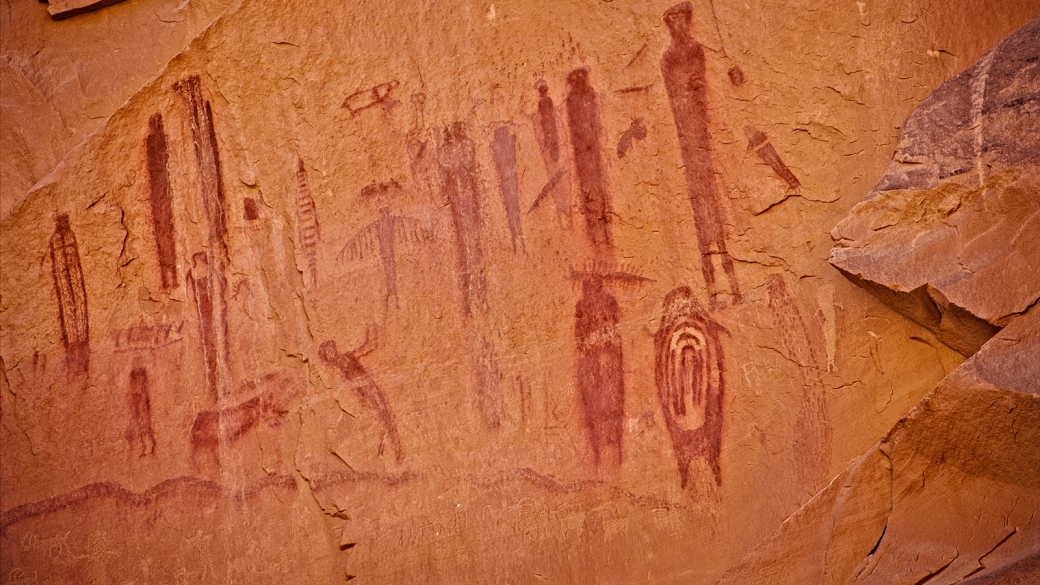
(950, 236)
(60, 9)
(950, 493)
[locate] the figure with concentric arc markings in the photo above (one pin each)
(690, 376)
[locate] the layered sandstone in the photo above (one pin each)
(481, 292)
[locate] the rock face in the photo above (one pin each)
(949, 238)
(478, 292)
(957, 211)
(948, 496)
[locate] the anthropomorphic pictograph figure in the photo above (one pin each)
(585, 132)
(371, 395)
(381, 236)
(503, 149)
(600, 364)
(547, 132)
(690, 375)
(683, 69)
(456, 158)
(139, 434)
(71, 291)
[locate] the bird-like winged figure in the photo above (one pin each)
(382, 236)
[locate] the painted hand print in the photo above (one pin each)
(371, 396)
(690, 375)
(380, 95)
(139, 434)
(600, 364)
(812, 429)
(381, 236)
(683, 69)
(456, 157)
(503, 147)
(759, 142)
(161, 198)
(307, 229)
(636, 131)
(556, 167)
(71, 291)
(583, 117)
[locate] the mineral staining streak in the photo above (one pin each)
(690, 376)
(162, 201)
(72, 295)
(683, 69)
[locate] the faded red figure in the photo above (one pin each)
(556, 166)
(456, 157)
(683, 69)
(690, 376)
(71, 291)
(139, 434)
(381, 236)
(601, 379)
(370, 394)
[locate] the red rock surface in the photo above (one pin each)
(468, 292)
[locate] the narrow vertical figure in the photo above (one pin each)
(690, 375)
(546, 131)
(583, 118)
(201, 289)
(139, 433)
(812, 430)
(683, 69)
(162, 201)
(488, 378)
(382, 235)
(600, 369)
(503, 147)
(456, 157)
(216, 257)
(422, 156)
(371, 396)
(307, 228)
(72, 295)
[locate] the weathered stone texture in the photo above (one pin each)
(496, 292)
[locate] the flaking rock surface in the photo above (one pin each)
(950, 235)
(449, 292)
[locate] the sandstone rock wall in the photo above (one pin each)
(450, 293)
